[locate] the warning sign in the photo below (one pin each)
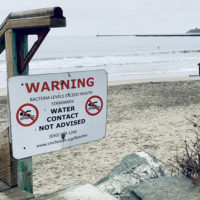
(27, 114)
(94, 105)
(55, 111)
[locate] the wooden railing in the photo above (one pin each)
(14, 33)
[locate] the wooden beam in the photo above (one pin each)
(11, 53)
(54, 12)
(15, 193)
(11, 58)
(24, 173)
(11, 171)
(4, 186)
(22, 59)
(24, 166)
(8, 167)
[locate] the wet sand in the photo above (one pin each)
(150, 116)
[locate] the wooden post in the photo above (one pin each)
(24, 166)
(14, 33)
(8, 165)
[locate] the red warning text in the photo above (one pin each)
(59, 85)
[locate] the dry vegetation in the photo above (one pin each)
(188, 163)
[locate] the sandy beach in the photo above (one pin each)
(150, 116)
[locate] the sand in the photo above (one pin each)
(150, 116)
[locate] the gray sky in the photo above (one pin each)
(89, 17)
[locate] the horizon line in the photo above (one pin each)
(149, 35)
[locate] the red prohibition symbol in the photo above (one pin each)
(94, 105)
(27, 114)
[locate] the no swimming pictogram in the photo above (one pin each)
(94, 105)
(27, 115)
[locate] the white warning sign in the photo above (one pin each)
(53, 111)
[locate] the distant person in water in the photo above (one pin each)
(199, 67)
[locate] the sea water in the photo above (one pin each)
(124, 58)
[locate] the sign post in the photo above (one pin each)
(14, 33)
(24, 166)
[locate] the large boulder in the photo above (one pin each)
(167, 188)
(78, 192)
(133, 169)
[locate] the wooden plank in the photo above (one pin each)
(11, 53)
(38, 18)
(11, 58)
(44, 22)
(8, 168)
(15, 193)
(24, 166)
(24, 172)
(4, 157)
(36, 23)
(51, 17)
(55, 12)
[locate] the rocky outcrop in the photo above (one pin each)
(78, 192)
(138, 177)
(166, 188)
(133, 169)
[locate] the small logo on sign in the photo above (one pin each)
(27, 115)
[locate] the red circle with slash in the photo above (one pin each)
(27, 114)
(94, 105)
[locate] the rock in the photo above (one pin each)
(3, 186)
(167, 188)
(78, 192)
(133, 169)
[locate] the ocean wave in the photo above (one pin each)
(163, 71)
(120, 64)
(107, 58)
(163, 58)
(83, 57)
(175, 52)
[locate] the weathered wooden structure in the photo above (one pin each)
(14, 32)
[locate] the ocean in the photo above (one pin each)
(124, 58)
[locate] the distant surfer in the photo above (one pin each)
(199, 68)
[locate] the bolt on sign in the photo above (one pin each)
(50, 112)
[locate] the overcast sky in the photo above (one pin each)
(89, 17)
